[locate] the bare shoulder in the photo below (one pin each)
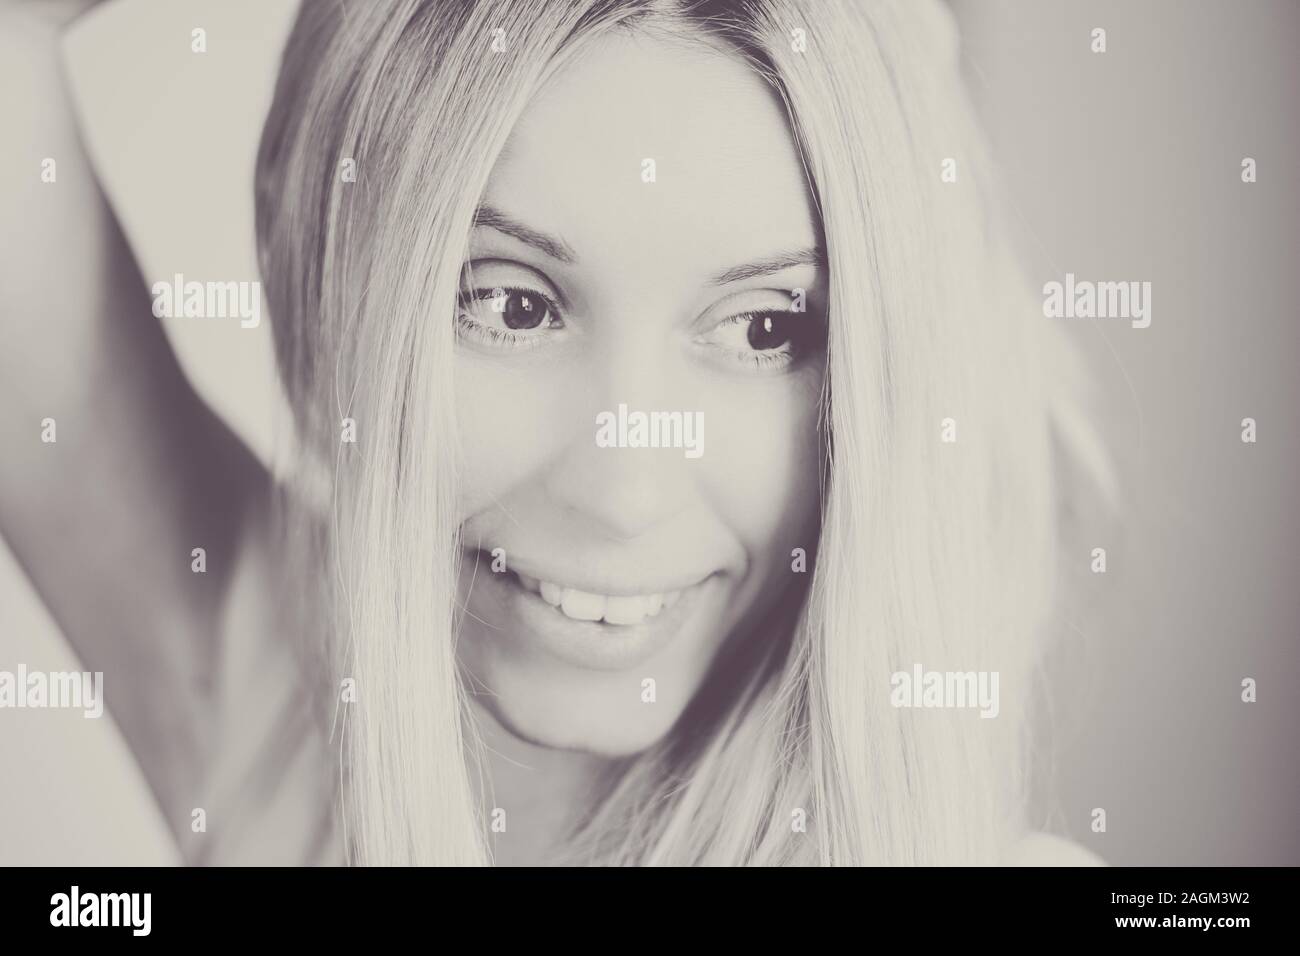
(1045, 849)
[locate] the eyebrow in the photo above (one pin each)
(557, 248)
(763, 267)
(552, 246)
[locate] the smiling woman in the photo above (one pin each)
(518, 256)
(674, 292)
(732, 209)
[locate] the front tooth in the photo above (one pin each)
(654, 603)
(671, 598)
(626, 610)
(582, 606)
(551, 593)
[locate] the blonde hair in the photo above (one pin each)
(931, 552)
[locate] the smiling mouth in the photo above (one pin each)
(618, 610)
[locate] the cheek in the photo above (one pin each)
(511, 420)
(763, 455)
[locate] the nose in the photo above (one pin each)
(625, 492)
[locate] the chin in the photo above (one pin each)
(603, 715)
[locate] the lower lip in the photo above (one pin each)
(593, 644)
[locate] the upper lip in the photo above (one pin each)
(610, 585)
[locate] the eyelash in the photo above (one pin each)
(761, 361)
(765, 360)
(503, 338)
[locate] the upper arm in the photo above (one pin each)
(105, 517)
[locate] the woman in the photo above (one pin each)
(490, 235)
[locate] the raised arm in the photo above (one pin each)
(104, 517)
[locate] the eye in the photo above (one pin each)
(762, 340)
(507, 317)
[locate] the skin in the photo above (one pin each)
(103, 520)
(642, 324)
(110, 557)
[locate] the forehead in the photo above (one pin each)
(728, 182)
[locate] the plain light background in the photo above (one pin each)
(1126, 165)
(1119, 166)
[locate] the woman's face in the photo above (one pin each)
(647, 244)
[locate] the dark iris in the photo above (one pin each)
(523, 311)
(769, 332)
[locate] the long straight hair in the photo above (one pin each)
(933, 551)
